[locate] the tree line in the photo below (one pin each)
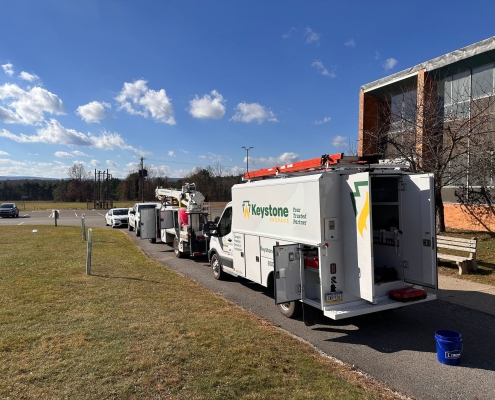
(81, 186)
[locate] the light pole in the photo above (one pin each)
(247, 156)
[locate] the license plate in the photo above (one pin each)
(334, 297)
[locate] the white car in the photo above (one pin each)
(117, 217)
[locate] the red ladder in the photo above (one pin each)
(299, 166)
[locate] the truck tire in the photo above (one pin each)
(216, 267)
(152, 240)
(177, 252)
(291, 309)
(138, 231)
(130, 227)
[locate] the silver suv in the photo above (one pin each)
(9, 210)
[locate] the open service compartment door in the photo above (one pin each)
(148, 223)
(358, 235)
(287, 270)
(419, 254)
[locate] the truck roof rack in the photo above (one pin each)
(324, 162)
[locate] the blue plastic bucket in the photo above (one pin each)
(449, 347)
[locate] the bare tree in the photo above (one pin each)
(79, 187)
(446, 127)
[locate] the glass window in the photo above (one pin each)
(403, 110)
(483, 81)
(225, 223)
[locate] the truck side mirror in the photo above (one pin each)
(132, 212)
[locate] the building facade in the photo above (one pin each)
(438, 116)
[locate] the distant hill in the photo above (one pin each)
(20, 178)
(37, 178)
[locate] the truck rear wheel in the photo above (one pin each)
(216, 267)
(291, 309)
(177, 252)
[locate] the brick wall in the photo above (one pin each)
(457, 218)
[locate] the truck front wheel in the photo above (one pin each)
(291, 309)
(138, 231)
(130, 228)
(216, 267)
(177, 252)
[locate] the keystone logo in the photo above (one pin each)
(365, 212)
(249, 209)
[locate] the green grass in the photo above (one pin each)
(485, 257)
(52, 205)
(137, 330)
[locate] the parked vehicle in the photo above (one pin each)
(337, 238)
(135, 216)
(9, 210)
(186, 208)
(116, 217)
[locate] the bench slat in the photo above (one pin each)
(454, 239)
(453, 258)
(459, 248)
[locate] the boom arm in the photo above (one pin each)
(188, 196)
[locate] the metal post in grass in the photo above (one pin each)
(88, 254)
(83, 228)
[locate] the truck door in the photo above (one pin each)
(417, 240)
(225, 238)
(287, 270)
(358, 246)
(148, 223)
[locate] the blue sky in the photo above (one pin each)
(186, 84)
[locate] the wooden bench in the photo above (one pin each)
(466, 263)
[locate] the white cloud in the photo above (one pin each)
(4, 153)
(27, 107)
(171, 153)
(321, 121)
(312, 36)
(112, 164)
(63, 154)
(389, 63)
(248, 112)
(55, 133)
(202, 157)
(184, 151)
(8, 69)
(322, 70)
(377, 55)
(287, 35)
(26, 76)
(94, 163)
(79, 153)
(137, 99)
(208, 106)
(339, 141)
(284, 158)
(350, 43)
(94, 111)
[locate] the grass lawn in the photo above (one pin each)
(136, 330)
(485, 256)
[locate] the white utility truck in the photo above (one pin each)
(334, 233)
(179, 220)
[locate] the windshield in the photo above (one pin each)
(7, 206)
(120, 212)
(147, 206)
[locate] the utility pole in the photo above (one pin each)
(142, 174)
(247, 156)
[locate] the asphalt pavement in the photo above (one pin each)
(397, 348)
